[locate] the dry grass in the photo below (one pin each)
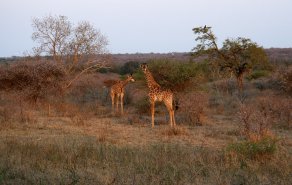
(74, 139)
(112, 151)
(192, 108)
(55, 156)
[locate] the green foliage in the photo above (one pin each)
(103, 70)
(258, 74)
(206, 39)
(173, 74)
(129, 67)
(236, 55)
(254, 149)
(138, 75)
(205, 71)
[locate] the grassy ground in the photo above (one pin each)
(77, 140)
(57, 150)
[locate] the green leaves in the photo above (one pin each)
(172, 74)
(236, 55)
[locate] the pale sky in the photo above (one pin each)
(152, 25)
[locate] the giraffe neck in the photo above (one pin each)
(125, 82)
(150, 80)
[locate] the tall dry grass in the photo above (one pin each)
(84, 160)
(192, 108)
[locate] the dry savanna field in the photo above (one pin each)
(52, 133)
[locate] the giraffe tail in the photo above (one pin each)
(176, 104)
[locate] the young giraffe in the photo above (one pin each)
(157, 94)
(118, 92)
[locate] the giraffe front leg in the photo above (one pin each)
(170, 117)
(117, 103)
(122, 104)
(173, 118)
(152, 113)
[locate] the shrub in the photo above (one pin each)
(256, 119)
(129, 67)
(257, 74)
(254, 149)
(226, 86)
(172, 74)
(280, 81)
(278, 108)
(138, 75)
(192, 108)
(32, 81)
(285, 78)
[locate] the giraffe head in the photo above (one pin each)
(144, 67)
(130, 78)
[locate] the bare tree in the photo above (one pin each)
(73, 47)
(52, 33)
(86, 42)
(59, 38)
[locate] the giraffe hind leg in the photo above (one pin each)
(152, 113)
(122, 104)
(117, 103)
(113, 101)
(170, 118)
(169, 107)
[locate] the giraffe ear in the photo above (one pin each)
(131, 74)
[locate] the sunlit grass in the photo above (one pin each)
(84, 160)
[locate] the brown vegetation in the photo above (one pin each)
(32, 81)
(222, 137)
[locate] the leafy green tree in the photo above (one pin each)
(172, 74)
(237, 56)
(129, 67)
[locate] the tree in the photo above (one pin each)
(78, 45)
(52, 33)
(129, 67)
(86, 42)
(236, 55)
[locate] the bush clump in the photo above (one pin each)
(32, 81)
(129, 67)
(265, 147)
(192, 108)
(172, 74)
(256, 74)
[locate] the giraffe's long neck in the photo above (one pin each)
(125, 82)
(150, 80)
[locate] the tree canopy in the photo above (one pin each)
(236, 55)
(68, 44)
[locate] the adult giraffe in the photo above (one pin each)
(157, 94)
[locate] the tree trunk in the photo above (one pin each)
(239, 79)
